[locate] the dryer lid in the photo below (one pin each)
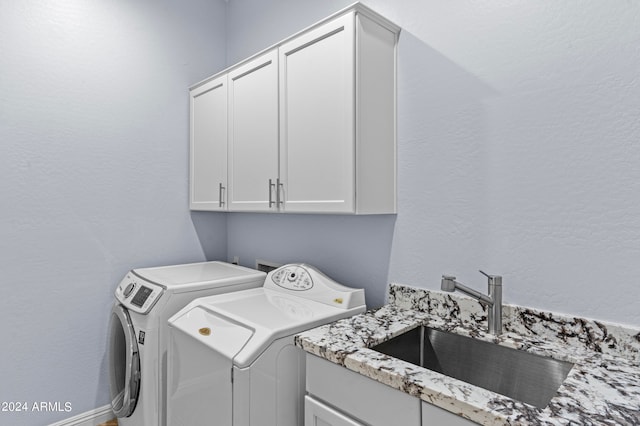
(191, 276)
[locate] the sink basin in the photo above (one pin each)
(517, 374)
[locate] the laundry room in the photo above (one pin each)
(515, 130)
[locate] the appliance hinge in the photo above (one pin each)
(231, 374)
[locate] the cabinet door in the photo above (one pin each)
(436, 416)
(317, 107)
(253, 134)
(318, 414)
(360, 396)
(208, 146)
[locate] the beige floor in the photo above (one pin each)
(113, 422)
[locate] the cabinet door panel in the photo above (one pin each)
(208, 145)
(436, 416)
(317, 118)
(253, 133)
(318, 414)
(353, 393)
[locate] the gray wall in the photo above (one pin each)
(518, 129)
(93, 177)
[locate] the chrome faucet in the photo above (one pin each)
(493, 300)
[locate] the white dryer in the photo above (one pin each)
(145, 299)
(232, 359)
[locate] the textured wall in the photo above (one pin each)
(518, 129)
(93, 177)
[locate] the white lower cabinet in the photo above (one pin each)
(436, 416)
(340, 397)
(359, 399)
(318, 414)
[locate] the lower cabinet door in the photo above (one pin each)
(319, 414)
(436, 416)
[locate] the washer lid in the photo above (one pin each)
(270, 315)
(192, 276)
(216, 332)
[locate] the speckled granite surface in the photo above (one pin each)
(603, 387)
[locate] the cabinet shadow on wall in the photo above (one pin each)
(211, 230)
(444, 163)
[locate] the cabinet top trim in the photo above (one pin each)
(357, 8)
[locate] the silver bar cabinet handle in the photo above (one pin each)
(278, 186)
(271, 202)
(220, 189)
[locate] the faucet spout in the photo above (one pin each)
(493, 301)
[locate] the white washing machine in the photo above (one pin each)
(145, 299)
(232, 359)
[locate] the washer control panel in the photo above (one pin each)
(305, 281)
(293, 277)
(137, 294)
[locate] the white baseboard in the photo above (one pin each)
(89, 418)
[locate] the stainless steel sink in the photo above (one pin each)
(517, 374)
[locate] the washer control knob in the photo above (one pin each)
(128, 289)
(292, 276)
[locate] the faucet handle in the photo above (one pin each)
(495, 279)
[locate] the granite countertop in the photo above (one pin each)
(602, 388)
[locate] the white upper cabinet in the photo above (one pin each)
(317, 119)
(208, 147)
(311, 121)
(253, 134)
(337, 117)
